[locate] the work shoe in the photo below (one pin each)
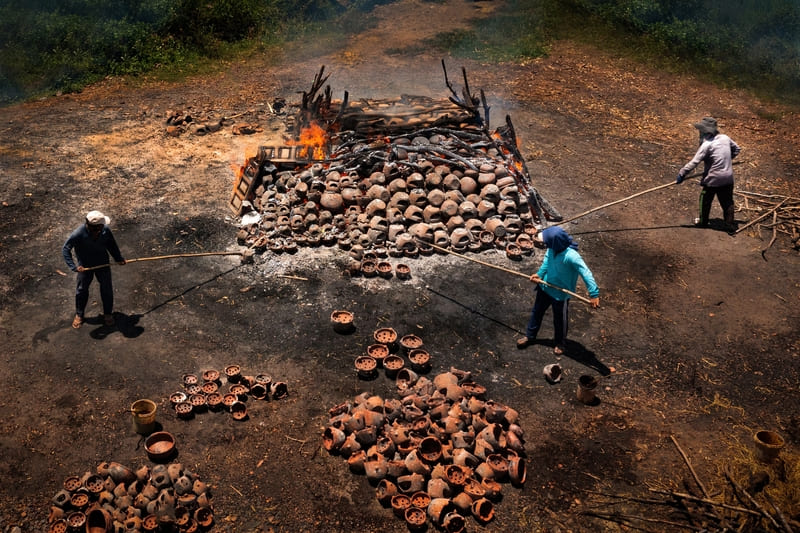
(524, 342)
(108, 320)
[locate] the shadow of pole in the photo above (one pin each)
(473, 310)
(190, 289)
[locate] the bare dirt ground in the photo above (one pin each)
(700, 331)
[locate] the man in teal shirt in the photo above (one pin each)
(561, 267)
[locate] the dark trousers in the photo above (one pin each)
(725, 196)
(106, 290)
(560, 316)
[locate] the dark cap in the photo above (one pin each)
(707, 126)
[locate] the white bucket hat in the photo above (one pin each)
(96, 217)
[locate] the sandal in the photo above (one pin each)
(77, 322)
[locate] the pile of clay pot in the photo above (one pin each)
(116, 498)
(394, 197)
(204, 394)
(438, 454)
(404, 359)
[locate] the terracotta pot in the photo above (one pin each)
(473, 489)
(357, 461)
(415, 519)
(342, 321)
(430, 449)
(387, 336)
(586, 387)
(392, 364)
(204, 517)
(420, 499)
(399, 503)
(768, 445)
(239, 410)
(415, 465)
(402, 271)
(366, 366)
(492, 488)
(378, 352)
(233, 373)
(411, 483)
(438, 488)
(76, 520)
(456, 475)
(333, 438)
(454, 523)
(121, 473)
(349, 446)
(278, 390)
(406, 378)
(499, 466)
(483, 510)
(517, 472)
(384, 492)
(160, 446)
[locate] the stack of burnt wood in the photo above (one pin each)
(402, 174)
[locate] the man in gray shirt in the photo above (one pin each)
(717, 152)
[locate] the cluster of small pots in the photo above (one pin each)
(205, 393)
(376, 263)
(437, 454)
(400, 357)
(115, 498)
(465, 203)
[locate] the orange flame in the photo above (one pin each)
(314, 140)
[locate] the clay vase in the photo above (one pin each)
(410, 483)
(120, 473)
(356, 462)
(376, 469)
(499, 466)
(462, 502)
(333, 438)
(430, 449)
(438, 508)
(492, 488)
(385, 491)
(483, 510)
(416, 465)
(454, 523)
(438, 488)
(517, 471)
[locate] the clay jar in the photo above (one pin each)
(385, 491)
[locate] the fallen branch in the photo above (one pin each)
(689, 465)
(762, 217)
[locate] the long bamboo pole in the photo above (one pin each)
(171, 256)
(631, 197)
(526, 276)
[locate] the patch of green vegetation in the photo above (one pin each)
(753, 44)
(513, 33)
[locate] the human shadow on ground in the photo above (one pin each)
(127, 325)
(580, 354)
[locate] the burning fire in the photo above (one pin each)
(314, 140)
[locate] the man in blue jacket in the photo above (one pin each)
(717, 152)
(561, 267)
(92, 242)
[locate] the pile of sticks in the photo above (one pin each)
(773, 214)
(735, 509)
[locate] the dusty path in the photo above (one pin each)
(701, 331)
